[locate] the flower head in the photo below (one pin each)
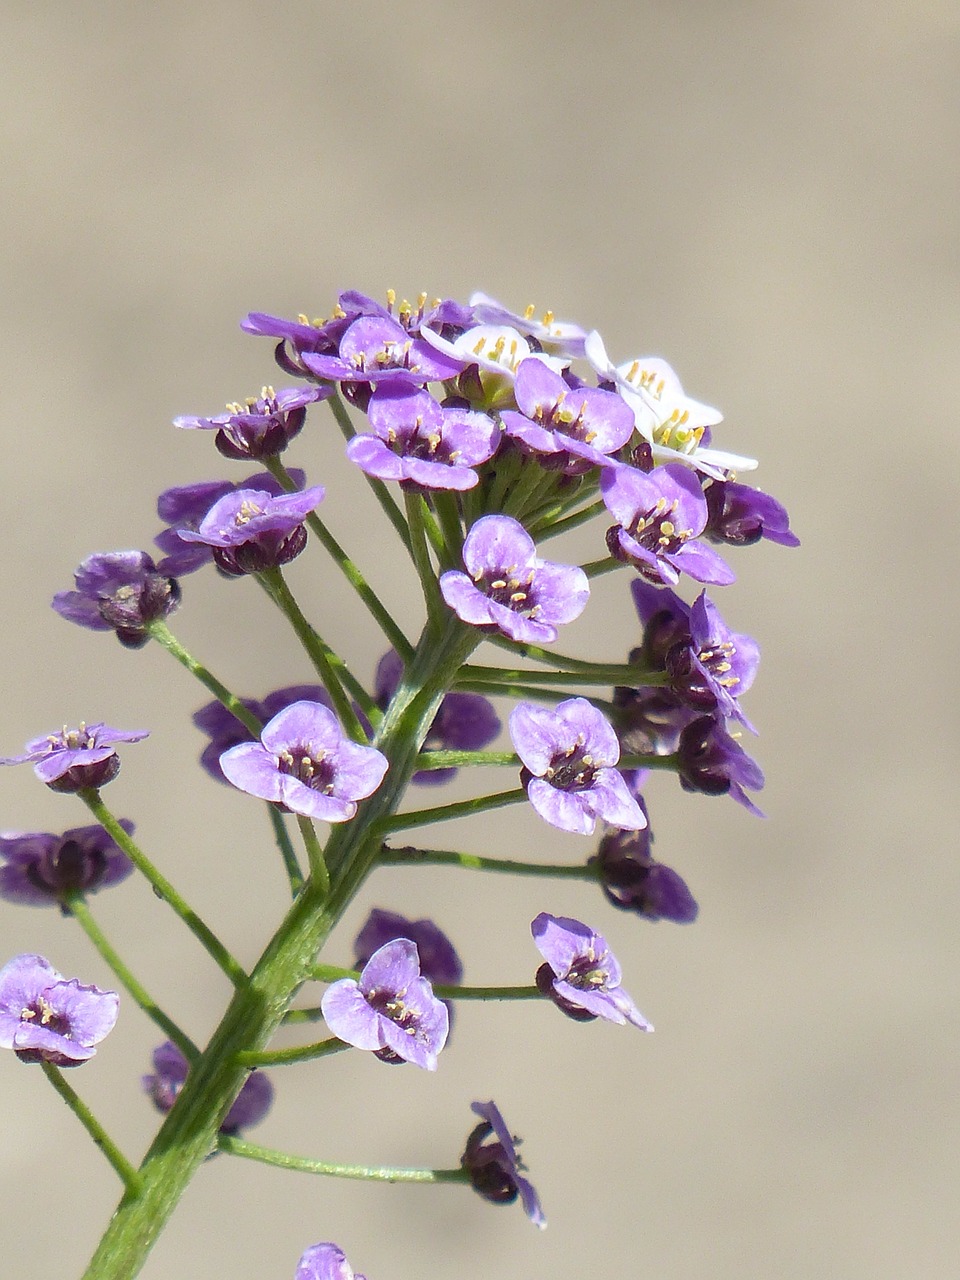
(391, 1009)
(251, 529)
(225, 731)
(495, 1169)
(569, 754)
(378, 349)
(76, 758)
(304, 763)
(42, 868)
(507, 585)
(585, 424)
(711, 761)
(740, 515)
(45, 1017)
(325, 1262)
(122, 591)
(170, 1069)
(558, 337)
(633, 880)
(582, 975)
(263, 426)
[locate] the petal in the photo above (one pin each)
(393, 967)
(568, 810)
(251, 768)
(349, 1017)
(613, 802)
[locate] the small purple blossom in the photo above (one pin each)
(120, 591)
(76, 758)
(419, 443)
(263, 426)
(378, 349)
(495, 1169)
(170, 1069)
(391, 1009)
(633, 880)
(325, 1262)
(439, 961)
(711, 761)
(558, 337)
(582, 975)
(659, 515)
(740, 515)
(569, 753)
(45, 1017)
(464, 722)
(251, 530)
(507, 585)
(225, 731)
(41, 868)
(304, 763)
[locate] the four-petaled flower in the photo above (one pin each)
(42, 868)
(495, 1169)
(263, 426)
(251, 529)
(710, 760)
(121, 591)
(633, 880)
(569, 754)
(391, 1009)
(304, 763)
(556, 418)
(325, 1262)
(582, 975)
(376, 349)
(170, 1069)
(224, 729)
(507, 585)
(45, 1017)
(76, 758)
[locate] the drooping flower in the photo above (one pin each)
(251, 530)
(325, 1262)
(464, 722)
(660, 515)
(225, 731)
(42, 869)
(391, 1009)
(121, 591)
(45, 1017)
(569, 753)
(740, 515)
(170, 1069)
(581, 974)
(76, 758)
(417, 442)
(633, 880)
(263, 426)
(507, 585)
(495, 1169)
(711, 761)
(304, 763)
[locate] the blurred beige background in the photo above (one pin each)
(766, 195)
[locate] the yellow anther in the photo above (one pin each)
(529, 311)
(547, 318)
(498, 585)
(391, 298)
(421, 301)
(667, 528)
(518, 597)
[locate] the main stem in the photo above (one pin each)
(190, 1131)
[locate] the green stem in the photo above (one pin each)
(299, 1053)
(77, 907)
(421, 556)
(347, 567)
(163, 888)
(124, 1169)
(160, 632)
(594, 568)
(518, 690)
(427, 761)
(410, 856)
(628, 673)
(447, 812)
(444, 992)
(318, 867)
(377, 487)
(612, 673)
(445, 505)
(368, 1173)
(540, 532)
(292, 866)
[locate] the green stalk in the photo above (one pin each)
(127, 1173)
(377, 487)
(160, 632)
(298, 1053)
(410, 856)
(459, 809)
(291, 865)
(369, 1173)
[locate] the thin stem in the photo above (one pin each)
(427, 761)
(624, 672)
(518, 690)
(447, 812)
(368, 1173)
(669, 762)
(377, 487)
(448, 513)
(318, 867)
(443, 992)
(416, 514)
(410, 856)
(294, 874)
(347, 567)
(613, 673)
(76, 906)
(160, 632)
(122, 1166)
(286, 1057)
(163, 888)
(594, 568)
(541, 532)
(293, 1016)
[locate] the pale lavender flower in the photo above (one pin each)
(263, 426)
(251, 530)
(76, 758)
(558, 337)
(497, 351)
(507, 585)
(325, 1262)
(170, 1070)
(377, 349)
(42, 869)
(582, 975)
(569, 753)
(495, 1169)
(438, 958)
(121, 591)
(304, 763)
(45, 1017)
(391, 1009)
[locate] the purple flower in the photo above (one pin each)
(42, 868)
(76, 758)
(438, 959)
(559, 337)
(391, 1009)
(507, 585)
(659, 515)
(325, 1262)
(495, 1169)
(251, 529)
(170, 1070)
(633, 880)
(569, 754)
(464, 722)
(46, 1018)
(120, 591)
(263, 426)
(555, 418)
(419, 443)
(304, 763)
(377, 349)
(740, 515)
(711, 761)
(582, 975)
(224, 730)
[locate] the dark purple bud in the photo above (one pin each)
(495, 1169)
(711, 761)
(42, 869)
(740, 515)
(633, 880)
(120, 591)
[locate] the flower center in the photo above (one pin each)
(48, 1016)
(248, 510)
(717, 661)
(572, 770)
(564, 419)
(316, 772)
(588, 972)
(655, 530)
(509, 587)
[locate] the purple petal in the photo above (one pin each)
(349, 1016)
